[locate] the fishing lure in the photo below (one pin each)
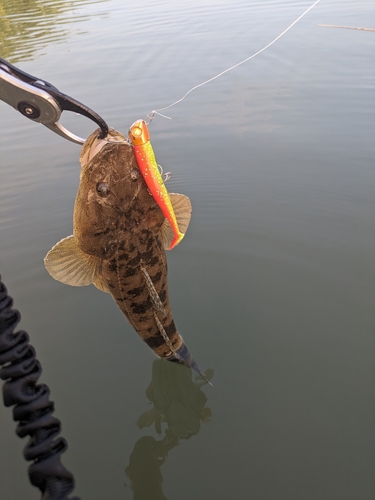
(140, 138)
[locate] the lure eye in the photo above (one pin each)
(102, 188)
(136, 131)
(134, 174)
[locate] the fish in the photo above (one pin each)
(119, 239)
(140, 138)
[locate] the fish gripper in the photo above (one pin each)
(33, 409)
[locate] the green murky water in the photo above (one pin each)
(273, 286)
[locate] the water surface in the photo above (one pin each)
(273, 286)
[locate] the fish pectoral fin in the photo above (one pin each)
(182, 209)
(157, 303)
(67, 263)
(101, 284)
(166, 234)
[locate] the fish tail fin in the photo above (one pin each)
(176, 240)
(184, 356)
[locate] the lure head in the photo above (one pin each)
(138, 133)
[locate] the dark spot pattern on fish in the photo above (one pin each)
(156, 278)
(130, 272)
(170, 329)
(155, 341)
(144, 237)
(134, 261)
(136, 292)
(154, 261)
(113, 266)
(149, 255)
(132, 248)
(149, 244)
(141, 308)
(120, 299)
(123, 256)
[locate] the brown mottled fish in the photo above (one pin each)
(119, 239)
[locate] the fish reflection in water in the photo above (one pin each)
(180, 404)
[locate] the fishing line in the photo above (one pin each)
(156, 111)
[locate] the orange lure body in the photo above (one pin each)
(140, 138)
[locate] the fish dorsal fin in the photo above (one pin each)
(157, 303)
(67, 263)
(182, 209)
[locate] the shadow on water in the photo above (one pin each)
(179, 404)
(30, 25)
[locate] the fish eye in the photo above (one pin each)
(102, 188)
(134, 174)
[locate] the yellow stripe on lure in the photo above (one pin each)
(140, 138)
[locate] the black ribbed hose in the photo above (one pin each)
(33, 410)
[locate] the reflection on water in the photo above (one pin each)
(178, 402)
(29, 25)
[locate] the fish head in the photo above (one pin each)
(112, 201)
